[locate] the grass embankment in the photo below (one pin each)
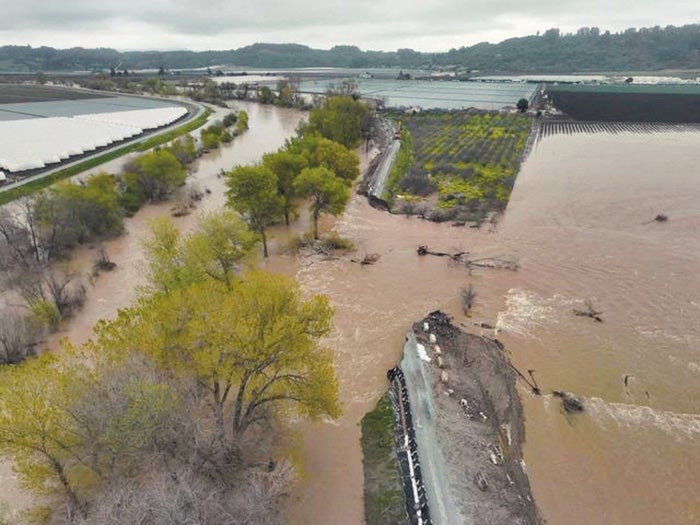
(469, 158)
(152, 142)
(384, 500)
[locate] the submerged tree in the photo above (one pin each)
(286, 166)
(328, 193)
(253, 193)
(340, 118)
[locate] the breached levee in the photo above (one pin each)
(459, 429)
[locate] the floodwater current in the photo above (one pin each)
(578, 223)
(574, 223)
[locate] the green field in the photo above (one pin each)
(469, 158)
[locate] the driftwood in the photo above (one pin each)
(368, 259)
(103, 262)
(492, 262)
(659, 218)
(590, 311)
(570, 403)
(483, 262)
(458, 256)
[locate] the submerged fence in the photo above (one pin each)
(571, 127)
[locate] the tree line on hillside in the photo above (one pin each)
(589, 49)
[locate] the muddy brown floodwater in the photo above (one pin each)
(575, 224)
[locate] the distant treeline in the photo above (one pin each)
(589, 49)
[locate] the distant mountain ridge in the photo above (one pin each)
(589, 49)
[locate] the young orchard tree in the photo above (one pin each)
(328, 193)
(252, 192)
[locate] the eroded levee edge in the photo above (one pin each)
(459, 429)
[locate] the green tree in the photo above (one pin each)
(252, 351)
(252, 191)
(219, 245)
(167, 267)
(214, 250)
(70, 214)
(154, 176)
(286, 166)
(242, 123)
(328, 193)
(340, 119)
(265, 95)
(184, 149)
(35, 427)
(323, 152)
(523, 104)
(288, 94)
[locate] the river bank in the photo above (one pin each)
(269, 129)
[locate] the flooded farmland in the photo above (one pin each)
(578, 223)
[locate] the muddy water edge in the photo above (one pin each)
(574, 223)
(270, 127)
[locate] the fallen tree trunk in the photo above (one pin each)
(483, 262)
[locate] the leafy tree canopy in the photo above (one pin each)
(340, 118)
(322, 152)
(328, 193)
(252, 191)
(286, 166)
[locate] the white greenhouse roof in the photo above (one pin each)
(33, 143)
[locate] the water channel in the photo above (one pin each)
(574, 223)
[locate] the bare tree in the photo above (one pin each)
(18, 336)
(183, 497)
(54, 295)
(16, 248)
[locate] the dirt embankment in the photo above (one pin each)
(469, 426)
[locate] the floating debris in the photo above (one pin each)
(570, 402)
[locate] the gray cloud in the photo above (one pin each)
(380, 24)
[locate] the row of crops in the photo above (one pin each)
(469, 158)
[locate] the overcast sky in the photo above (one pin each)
(427, 25)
